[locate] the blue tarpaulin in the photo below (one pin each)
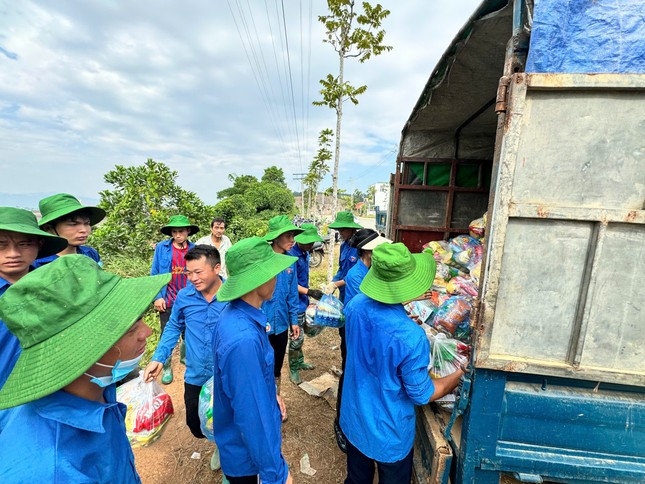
(588, 36)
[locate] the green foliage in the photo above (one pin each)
(128, 266)
(273, 174)
(140, 202)
(318, 167)
(234, 206)
(240, 185)
(250, 203)
(361, 41)
(334, 92)
(270, 197)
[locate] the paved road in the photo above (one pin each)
(368, 223)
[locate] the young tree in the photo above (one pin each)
(273, 174)
(141, 201)
(370, 195)
(352, 35)
(319, 166)
(240, 185)
(249, 203)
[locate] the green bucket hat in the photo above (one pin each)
(344, 220)
(177, 221)
(24, 222)
(61, 204)
(250, 263)
(67, 315)
(396, 275)
(278, 225)
(309, 235)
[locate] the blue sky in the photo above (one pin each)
(87, 85)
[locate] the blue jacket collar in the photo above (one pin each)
(75, 411)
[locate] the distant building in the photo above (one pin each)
(382, 195)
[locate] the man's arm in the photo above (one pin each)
(446, 384)
(176, 324)
(255, 409)
(157, 269)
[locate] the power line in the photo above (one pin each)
(293, 101)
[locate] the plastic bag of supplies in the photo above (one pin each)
(447, 355)
(205, 410)
(329, 312)
(309, 327)
(149, 408)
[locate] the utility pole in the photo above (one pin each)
(300, 177)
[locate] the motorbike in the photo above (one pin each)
(317, 252)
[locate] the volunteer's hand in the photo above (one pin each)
(415, 318)
(160, 305)
(282, 406)
(315, 293)
(152, 371)
(289, 479)
(330, 288)
(295, 332)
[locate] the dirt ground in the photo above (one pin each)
(309, 429)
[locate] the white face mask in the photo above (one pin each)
(120, 370)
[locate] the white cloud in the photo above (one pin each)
(96, 84)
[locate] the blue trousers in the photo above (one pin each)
(360, 468)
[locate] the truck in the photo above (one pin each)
(535, 115)
(380, 220)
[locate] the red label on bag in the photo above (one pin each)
(152, 414)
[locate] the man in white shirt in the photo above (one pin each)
(218, 240)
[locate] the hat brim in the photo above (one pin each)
(56, 362)
(411, 286)
(167, 229)
(238, 285)
(374, 243)
(308, 238)
(344, 225)
(277, 233)
(51, 244)
(96, 214)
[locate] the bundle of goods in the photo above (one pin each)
(329, 312)
(205, 410)
(466, 251)
(477, 227)
(420, 311)
(309, 327)
(453, 317)
(447, 355)
(149, 408)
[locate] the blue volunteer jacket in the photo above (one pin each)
(246, 416)
(198, 317)
(302, 269)
(386, 375)
(162, 261)
(282, 309)
(90, 252)
(348, 257)
(65, 438)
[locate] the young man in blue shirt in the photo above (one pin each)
(386, 373)
(365, 240)
(81, 331)
(195, 312)
(346, 227)
(170, 257)
(282, 308)
(64, 216)
(304, 243)
(246, 409)
(21, 242)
